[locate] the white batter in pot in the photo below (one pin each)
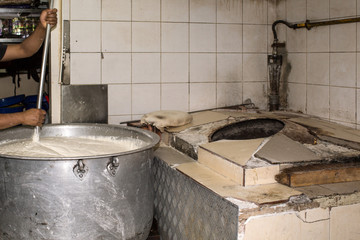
(68, 146)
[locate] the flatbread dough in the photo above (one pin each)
(166, 118)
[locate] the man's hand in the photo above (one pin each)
(48, 16)
(34, 117)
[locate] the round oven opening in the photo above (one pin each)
(248, 129)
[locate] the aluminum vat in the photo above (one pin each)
(97, 197)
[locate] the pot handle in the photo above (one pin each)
(80, 169)
(113, 166)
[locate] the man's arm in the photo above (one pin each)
(33, 43)
(32, 117)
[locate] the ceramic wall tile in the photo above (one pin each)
(145, 98)
(297, 67)
(276, 11)
(229, 38)
(341, 8)
(116, 36)
(254, 67)
(297, 97)
(145, 37)
(358, 36)
(318, 39)
(65, 9)
(145, 10)
(146, 67)
(317, 9)
(315, 230)
(119, 119)
(137, 116)
(229, 67)
(228, 94)
(83, 38)
(296, 40)
(116, 10)
(202, 96)
(85, 10)
(175, 11)
(318, 68)
(358, 107)
(358, 70)
(202, 67)
(85, 68)
(272, 12)
(285, 226)
(343, 69)
(202, 37)
(119, 99)
(344, 222)
(203, 11)
(175, 96)
(296, 10)
(255, 12)
(343, 38)
(256, 92)
(255, 38)
(341, 109)
(281, 9)
(318, 100)
(315, 214)
(174, 67)
(174, 37)
(229, 11)
(116, 68)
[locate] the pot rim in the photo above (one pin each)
(154, 139)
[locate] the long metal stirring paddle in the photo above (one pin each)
(43, 72)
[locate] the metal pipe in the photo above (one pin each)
(44, 61)
(275, 60)
(43, 69)
(309, 24)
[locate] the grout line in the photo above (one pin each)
(131, 62)
(161, 55)
(329, 64)
(216, 56)
(242, 52)
(189, 65)
(356, 72)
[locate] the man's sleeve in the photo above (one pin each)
(2, 50)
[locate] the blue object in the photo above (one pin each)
(31, 102)
(11, 109)
(4, 102)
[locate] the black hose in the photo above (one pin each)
(290, 25)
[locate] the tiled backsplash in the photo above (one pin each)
(176, 54)
(324, 61)
(196, 54)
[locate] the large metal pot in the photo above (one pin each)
(97, 197)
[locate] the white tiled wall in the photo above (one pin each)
(324, 78)
(171, 54)
(196, 54)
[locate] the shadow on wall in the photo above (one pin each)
(286, 69)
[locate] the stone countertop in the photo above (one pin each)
(250, 176)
